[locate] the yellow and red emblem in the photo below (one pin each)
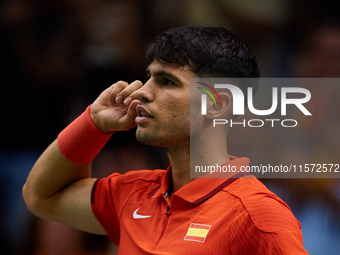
(197, 232)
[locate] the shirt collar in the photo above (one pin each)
(202, 189)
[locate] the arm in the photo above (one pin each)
(59, 189)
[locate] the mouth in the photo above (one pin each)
(143, 115)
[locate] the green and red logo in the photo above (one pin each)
(204, 97)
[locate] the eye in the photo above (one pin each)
(166, 81)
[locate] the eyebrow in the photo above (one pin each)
(162, 73)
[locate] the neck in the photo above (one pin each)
(213, 152)
(180, 163)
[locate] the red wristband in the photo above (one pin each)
(82, 140)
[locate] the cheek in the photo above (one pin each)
(176, 112)
(180, 110)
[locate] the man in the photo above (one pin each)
(164, 212)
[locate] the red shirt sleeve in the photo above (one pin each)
(105, 205)
(248, 239)
(265, 224)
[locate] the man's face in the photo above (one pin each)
(164, 113)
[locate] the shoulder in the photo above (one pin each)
(119, 187)
(267, 212)
(132, 180)
(139, 176)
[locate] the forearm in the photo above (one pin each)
(67, 160)
(59, 185)
(51, 173)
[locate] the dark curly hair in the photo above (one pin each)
(208, 51)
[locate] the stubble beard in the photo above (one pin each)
(172, 138)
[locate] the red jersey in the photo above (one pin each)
(205, 216)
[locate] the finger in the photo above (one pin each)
(127, 94)
(103, 99)
(132, 111)
(115, 90)
(131, 97)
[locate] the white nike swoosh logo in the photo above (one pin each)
(138, 216)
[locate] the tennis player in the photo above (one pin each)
(164, 211)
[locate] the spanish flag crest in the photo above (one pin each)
(197, 232)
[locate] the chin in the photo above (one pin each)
(152, 142)
(145, 138)
(150, 139)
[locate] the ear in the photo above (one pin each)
(219, 110)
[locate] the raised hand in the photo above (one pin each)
(115, 108)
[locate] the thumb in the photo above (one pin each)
(132, 112)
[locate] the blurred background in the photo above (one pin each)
(56, 56)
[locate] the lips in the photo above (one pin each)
(143, 115)
(143, 112)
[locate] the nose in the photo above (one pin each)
(146, 93)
